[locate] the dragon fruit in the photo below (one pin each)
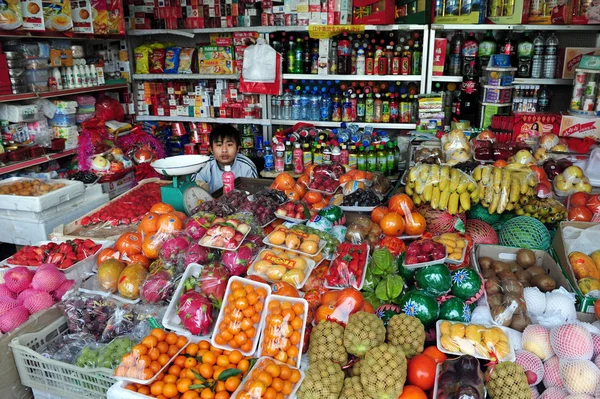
(5, 291)
(237, 262)
(196, 227)
(13, 319)
(213, 283)
(173, 249)
(58, 293)
(196, 253)
(47, 279)
(18, 279)
(195, 311)
(157, 287)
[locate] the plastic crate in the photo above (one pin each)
(52, 376)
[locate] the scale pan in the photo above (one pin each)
(179, 165)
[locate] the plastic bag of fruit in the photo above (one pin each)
(131, 320)
(460, 378)
(348, 266)
(66, 348)
(226, 233)
(325, 178)
(198, 223)
(87, 313)
(474, 339)
(104, 355)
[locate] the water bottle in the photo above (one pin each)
(275, 100)
(550, 57)
(325, 112)
(304, 105)
(354, 133)
(296, 106)
(286, 108)
(537, 65)
(315, 107)
(268, 157)
(342, 135)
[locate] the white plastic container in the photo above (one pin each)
(260, 325)
(362, 281)
(71, 190)
(293, 301)
(162, 369)
(310, 266)
(461, 260)
(170, 319)
(257, 366)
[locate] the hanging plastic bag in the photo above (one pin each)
(592, 170)
(261, 72)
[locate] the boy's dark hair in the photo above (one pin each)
(222, 132)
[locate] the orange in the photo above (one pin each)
(190, 395)
(295, 376)
(273, 369)
(150, 341)
(277, 384)
(295, 338)
(264, 377)
(235, 357)
(257, 388)
(121, 371)
(163, 359)
(378, 213)
(183, 385)
(190, 362)
(191, 349)
(181, 341)
(131, 387)
(204, 344)
(286, 372)
(400, 203)
(247, 347)
(157, 387)
(223, 361)
(220, 386)
(209, 358)
(317, 206)
(283, 181)
(206, 370)
(236, 285)
(298, 309)
(161, 208)
(171, 338)
(155, 366)
(162, 347)
(435, 353)
(170, 390)
(128, 360)
(288, 387)
(174, 370)
(312, 197)
(180, 361)
(243, 365)
(143, 362)
(270, 393)
(153, 353)
(207, 394)
(149, 223)
(221, 395)
(500, 163)
(151, 245)
(392, 224)
(232, 383)
(415, 224)
(173, 349)
(170, 379)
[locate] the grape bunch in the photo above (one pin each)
(108, 356)
(88, 314)
(263, 209)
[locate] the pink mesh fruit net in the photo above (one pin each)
(552, 373)
(554, 393)
(572, 341)
(440, 222)
(481, 232)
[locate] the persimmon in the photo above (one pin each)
(392, 224)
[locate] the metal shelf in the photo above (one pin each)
(446, 78)
(36, 161)
(153, 118)
(24, 34)
(59, 93)
(380, 78)
(182, 76)
(473, 27)
(531, 81)
(403, 126)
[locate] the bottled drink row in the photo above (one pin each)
(373, 152)
(327, 101)
(374, 53)
(535, 57)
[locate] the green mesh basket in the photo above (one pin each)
(525, 232)
(480, 212)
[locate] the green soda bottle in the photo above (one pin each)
(361, 162)
(372, 159)
(382, 159)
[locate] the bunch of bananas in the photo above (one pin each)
(504, 189)
(442, 187)
(546, 210)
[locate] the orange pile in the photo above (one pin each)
(204, 372)
(270, 380)
(399, 217)
(242, 312)
(147, 358)
(283, 331)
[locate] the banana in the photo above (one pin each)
(481, 188)
(503, 201)
(444, 177)
(413, 174)
(419, 186)
(477, 173)
(523, 200)
(486, 174)
(531, 181)
(510, 206)
(489, 194)
(435, 197)
(417, 200)
(444, 197)
(453, 203)
(465, 200)
(427, 192)
(463, 184)
(494, 203)
(515, 189)
(409, 190)
(497, 180)
(424, 172)
(530, 191)
(471, 186)
(434, 174)
(454, 179)
(475, 195)
(522, 178)
(515, 167)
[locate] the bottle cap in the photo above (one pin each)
(227, 168)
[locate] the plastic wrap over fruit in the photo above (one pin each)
(460, 378)
(506, 301)
(456, 147)
(226, 233)
(474, 339)
(325, 178)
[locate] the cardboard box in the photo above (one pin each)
(376, 12)
(584, 304)
(57, 15)
(452, 14)
(528, 125)
(519, 14)
(439, 56)
(83, 21)
(119, 186)
(580, 127)
(12, 18)
(570, 57)
(33, 15)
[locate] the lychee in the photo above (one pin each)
(7, 303)
(532, 365)
(572, 341)
(554, 393)
(536, 339)
(17, 279)
(579, 376)
(38, 301)
(13, 319)
(47, 279)
(552, 373)
(4, 291)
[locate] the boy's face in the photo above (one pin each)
(225, 151)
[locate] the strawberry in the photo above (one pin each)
(89, 243)
(66, 263)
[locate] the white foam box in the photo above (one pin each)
(21, 231)
(72, 189)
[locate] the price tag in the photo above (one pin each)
(329, 31)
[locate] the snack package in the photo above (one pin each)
(142, 58)
(187, 59)
(285, 320)
(57, 15)
(348, 266)
(484, 342)
(87, 313)
(172, 59)
(33, 15)
(460, 376)
(157, 60)
(100, 15)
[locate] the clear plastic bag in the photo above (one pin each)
(226, 233)
(456, 147)
(198, 223)
(570, 181)
(325, 178)
(104, 355)
(474, 340)
(505, 297)
(260, 63)
(172, 252)
(87, 313)
(66, 348)
(348, 266)
(461, 375)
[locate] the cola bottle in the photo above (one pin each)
(469, 93)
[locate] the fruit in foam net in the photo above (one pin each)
(552, 373)
(383, 373)
(407, 332)
(363, 332)
(536, 339)
(572, 341)
(532, 365)
(508, 380)
(327, 343)
(324, 379)
(579, 376)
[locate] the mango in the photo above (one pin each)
(596, 258)
(583, 266)
(588, 284)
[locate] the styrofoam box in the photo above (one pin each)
(90, 193)
(27, 231)
(71, 190)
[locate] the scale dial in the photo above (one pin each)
(193, 196)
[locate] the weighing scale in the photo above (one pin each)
(183, 195)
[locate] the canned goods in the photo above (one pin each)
(577, 91)
(590, 88)
(189, 149)
(579, 78)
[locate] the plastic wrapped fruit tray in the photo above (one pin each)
(310, 266)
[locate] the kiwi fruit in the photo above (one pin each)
(512, 286)
(488, 273)
(523, 275)
(495, 300)
(514, 267)
(504, 275)
(543, 282)
(500, 316)
(510, 298)
(499, 266)
(519, 322)
(526, 258)
(492, 286)
(485, 262)
(535, 270)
